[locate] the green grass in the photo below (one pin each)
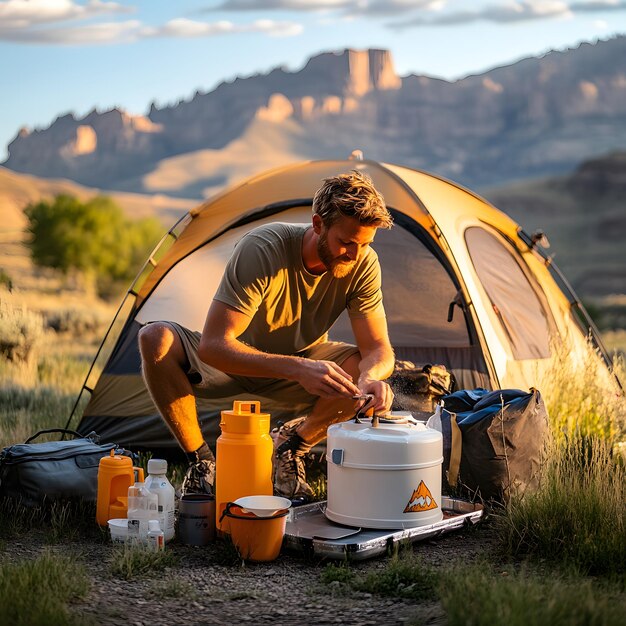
(137, 561)
(25, 411)
(341, 573)
(59, 521)
(481, 596)
(581, 397)
(173, 588)
(37, 593)
(485, 595)
(402, 576)
(577, 518)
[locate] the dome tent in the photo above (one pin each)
(463, 286)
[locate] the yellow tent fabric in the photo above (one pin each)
(448, 246)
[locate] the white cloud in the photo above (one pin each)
(282, 5)
(501, 13)
(599, 5)
(183, 27)
(26, 13)
(429, 12)
(346, 7)
(46, 22)
(90, 34)
(54, 22)
(600, 24)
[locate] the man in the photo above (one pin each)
(266, 333)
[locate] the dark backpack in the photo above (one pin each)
(493, 441)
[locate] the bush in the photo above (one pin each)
(92, 238)
(75, 321)
(20, 332)
(5, 280)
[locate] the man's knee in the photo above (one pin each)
(157, 341)
(351, 365)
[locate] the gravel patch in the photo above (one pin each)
(205, 587)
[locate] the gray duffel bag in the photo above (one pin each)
(53, 470)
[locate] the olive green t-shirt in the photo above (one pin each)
(290, 308)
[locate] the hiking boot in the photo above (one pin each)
(289, 475)
(200, 478)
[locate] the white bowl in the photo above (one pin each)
(263, 506)
(119, 530)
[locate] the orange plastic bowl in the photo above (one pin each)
(256, 538)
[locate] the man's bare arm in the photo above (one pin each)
(377, 359)
(221, 348)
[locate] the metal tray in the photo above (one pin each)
(308, 530)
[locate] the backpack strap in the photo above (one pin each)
(455, 452)
(54, 430)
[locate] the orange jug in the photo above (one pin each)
(115, 475)
(243, 455)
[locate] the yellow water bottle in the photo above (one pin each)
(243, 455)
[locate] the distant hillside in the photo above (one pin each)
(584, 217)
(539, 116)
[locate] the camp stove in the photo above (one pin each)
(384, 472)
(309, 531)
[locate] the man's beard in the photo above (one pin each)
(338, 267)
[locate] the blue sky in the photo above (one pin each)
(58, 56)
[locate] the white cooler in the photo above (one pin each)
(387, 476)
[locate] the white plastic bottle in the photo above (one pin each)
(142, 507)
(157, 483)
(156, 538)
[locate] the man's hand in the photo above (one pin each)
(383, 396)
(326, 379)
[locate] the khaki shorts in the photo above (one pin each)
(210, 383)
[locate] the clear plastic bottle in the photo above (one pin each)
(156, 538)
(157, 483)
(142, 507)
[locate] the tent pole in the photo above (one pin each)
(93, 362)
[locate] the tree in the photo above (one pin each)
(93, 238)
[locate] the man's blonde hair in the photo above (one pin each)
(352, 195)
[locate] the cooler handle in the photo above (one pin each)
(140, 477)
(336, 456)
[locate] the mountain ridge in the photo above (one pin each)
(536, 116)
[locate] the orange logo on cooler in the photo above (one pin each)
(421, 500)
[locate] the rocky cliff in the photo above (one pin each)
(537, 116)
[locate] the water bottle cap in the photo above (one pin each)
(153, 524)
(157, 466)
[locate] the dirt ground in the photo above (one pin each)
(285, 591)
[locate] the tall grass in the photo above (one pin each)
(479, 596)
(582, 398)
(25, 411)
(577, 517)
(39, 395)
(59, 521)
(36, 593)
